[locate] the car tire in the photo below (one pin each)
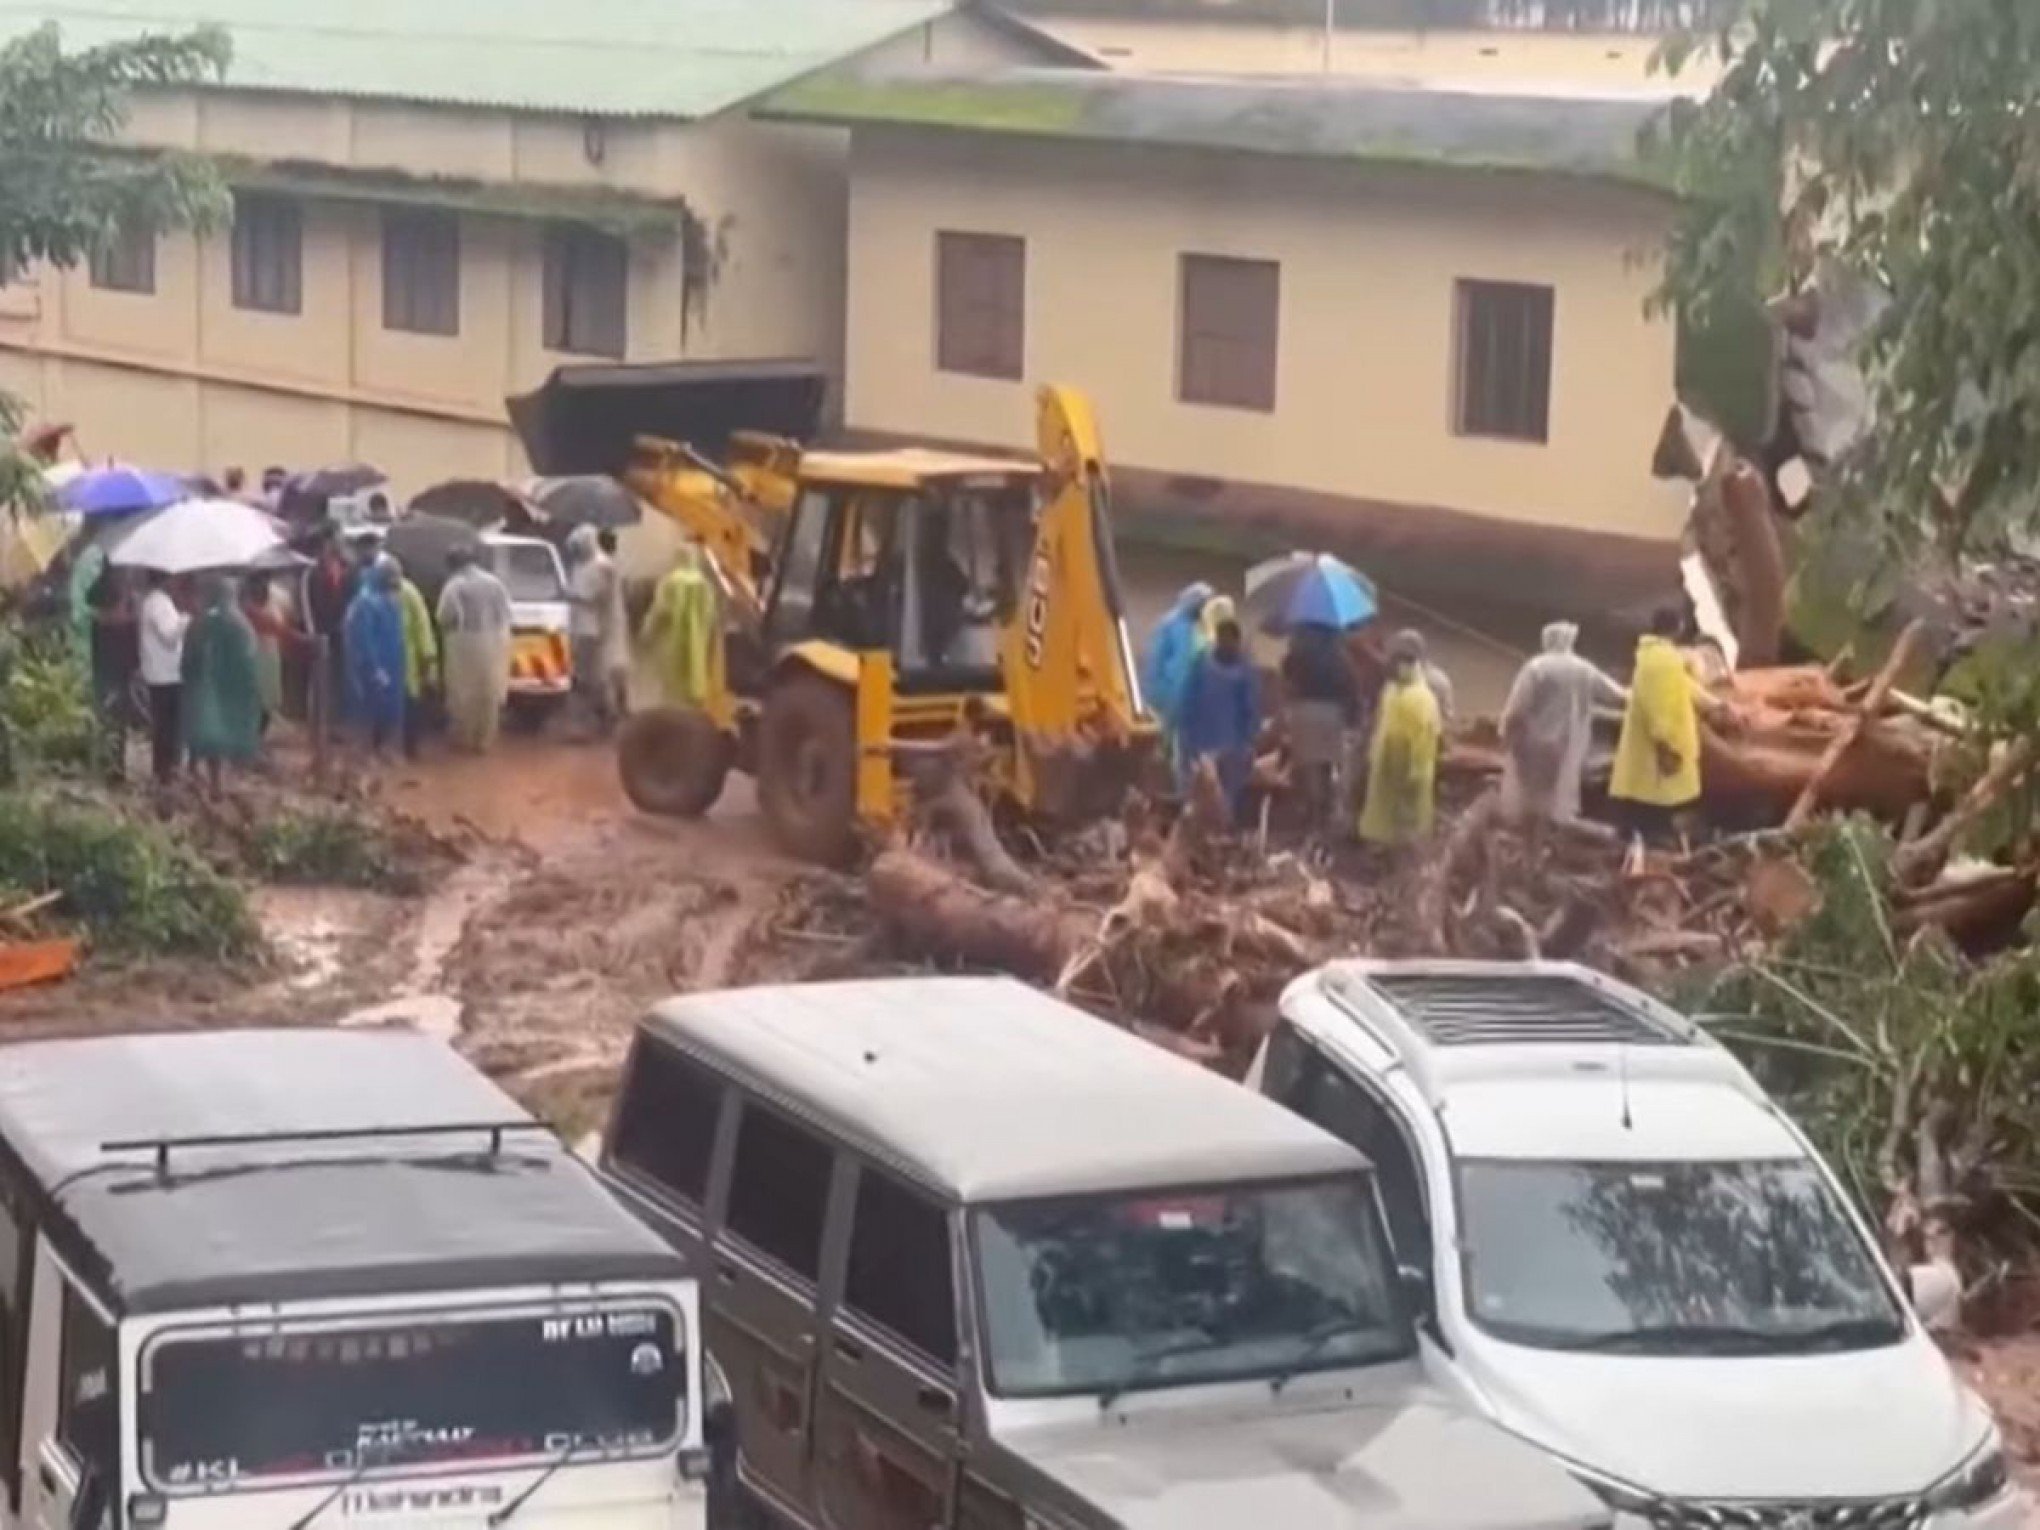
(807, 768)
(673, 761)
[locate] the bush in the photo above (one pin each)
(47, 720)
(134, 885)
(1912, 1066)
(326, 846)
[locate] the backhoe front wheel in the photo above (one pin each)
(807, 769)
(673, 761)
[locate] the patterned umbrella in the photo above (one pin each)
(1309, 590)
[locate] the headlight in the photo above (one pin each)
(1977, 1481)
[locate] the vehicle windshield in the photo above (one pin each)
(529, 570)
(310, 1403)
(1111, 1293)
(1669, 1258)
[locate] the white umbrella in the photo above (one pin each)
(199, 534)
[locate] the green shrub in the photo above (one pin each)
(133, 884)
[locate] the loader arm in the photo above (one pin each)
(733, 510)
(1071, 685)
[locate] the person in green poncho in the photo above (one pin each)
(682, 633)
(222, 700)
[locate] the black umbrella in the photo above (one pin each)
(425, 544)
(585, 501)
(479, 502)
(305, 496)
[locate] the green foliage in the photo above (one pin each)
(67, 189)
(133, 884)
(326, 845)
(1894, 139)
(1912, 1066)
(46, 714)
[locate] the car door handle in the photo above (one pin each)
(47, 1476)
(849, 1349)
(934, 1400)
(726, 1273)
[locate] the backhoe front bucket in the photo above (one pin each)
(587, 419)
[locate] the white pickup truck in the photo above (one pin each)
(291, 1279)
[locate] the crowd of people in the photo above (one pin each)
(1363, 722)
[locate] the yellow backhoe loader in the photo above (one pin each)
(882, 605)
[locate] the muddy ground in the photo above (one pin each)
(559, 915)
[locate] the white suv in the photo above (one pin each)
(1627, 1254)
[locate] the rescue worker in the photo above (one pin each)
(162, 627)
(375, 658)
(1402, 758)
(1657, 759)
(474, 622)
(615, 631)
(1221, 713)
(591, 593)
(1547, 725)
(421, 652)
(683, 635)
(328, 592)
(1321, 696)
(222, 685)
(1172, 650)
(273, 633)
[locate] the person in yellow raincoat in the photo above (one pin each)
(1402, 760)
(683, 635)
(1657, 759)
(421, 653)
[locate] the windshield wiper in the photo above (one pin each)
(1701, 1338)
(367, 1462)
(560, 1458)
(1841, 1333)
(1313, 1341)
(1148, 1362)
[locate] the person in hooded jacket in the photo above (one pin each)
(1171, 652)
(683, 634)
(1402, 760)
(1547, 725)
(1221, 713)
(375, 658)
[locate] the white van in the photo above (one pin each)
(275, 1278)
(541, 653)
(1628, 1255)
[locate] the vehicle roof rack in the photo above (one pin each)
(1513, 1004)
(161, 1146)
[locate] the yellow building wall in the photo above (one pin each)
(1369, 259)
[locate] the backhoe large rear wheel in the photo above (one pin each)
(673, 761)
(807, 768)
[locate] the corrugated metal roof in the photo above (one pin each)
(1592, 136)
(625, 58)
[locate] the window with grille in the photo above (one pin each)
(1504, 363)
(1229, 319)
(980, 304)
(126, 262)
(587, 276)
(421, 271)
(269, 254)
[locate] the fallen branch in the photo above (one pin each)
(1917, 862)
(1866, 712)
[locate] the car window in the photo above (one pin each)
(779, 1190)
(900, 1276)
(88, 1413)
(15, 1246)
(1324, 1094)
(665, 1127)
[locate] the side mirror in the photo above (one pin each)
(1936, 1294)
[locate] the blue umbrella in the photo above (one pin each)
(120, 490)
(1309, 589)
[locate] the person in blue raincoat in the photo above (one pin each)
(374, 637)
(1171, 652)
(1221, 713)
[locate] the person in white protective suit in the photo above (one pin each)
(1547, 725)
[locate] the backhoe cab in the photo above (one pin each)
(881, 605)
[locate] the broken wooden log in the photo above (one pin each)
(1871, 704)
(1918, 861)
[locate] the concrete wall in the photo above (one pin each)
(1366, 354)
(183, 379)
